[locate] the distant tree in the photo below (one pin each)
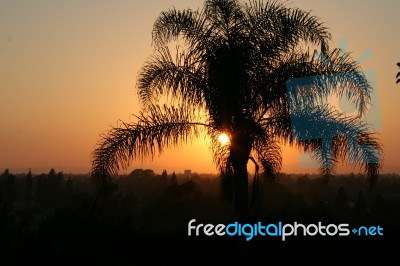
(164, 179)
(148, 173)
(164, 174)
(9, 188)
(41, 194)
(136, 173)
(230, 77)
(51, 174)
(68, 189)
(3, 178)
(173, 182)
(59, 183)
(398, 74)
(28, 195)
(54, 187)
(5, 174)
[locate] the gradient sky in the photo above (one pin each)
(68, 72)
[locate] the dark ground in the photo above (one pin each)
(143, 218)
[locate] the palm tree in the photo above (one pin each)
(230, 76)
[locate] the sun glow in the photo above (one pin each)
(223, 138)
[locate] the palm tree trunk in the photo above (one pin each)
(240, 152)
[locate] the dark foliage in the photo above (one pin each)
(145, 218)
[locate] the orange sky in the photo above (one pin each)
(68, 71)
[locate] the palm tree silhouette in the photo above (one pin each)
(398, 74)
(230, 77)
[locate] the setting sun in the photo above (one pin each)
(223, 139)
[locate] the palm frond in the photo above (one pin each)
(332, 138)
(226, 16)
(170, 24)
(302, 25)
(268, 152)
(157, 129)
(275, 29)
(310, 79)
(181, 78)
